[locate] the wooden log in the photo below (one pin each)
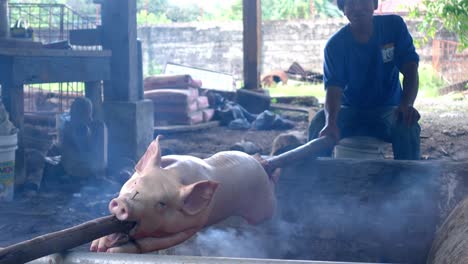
(62, 240)
(310, 150)
(451, 242)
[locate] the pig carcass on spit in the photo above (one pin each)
(172, 197)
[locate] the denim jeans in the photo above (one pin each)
(381, 123)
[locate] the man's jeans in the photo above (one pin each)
(381, 123)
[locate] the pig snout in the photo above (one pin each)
(120, 209)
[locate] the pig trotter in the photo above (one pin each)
(104, 243)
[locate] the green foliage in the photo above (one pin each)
(453, 14)
(145, 18)
(429, 82)
(151, 12)
(232, 13)
(187, 13)
(289, 9)
(326, 9)
(154, 69)
(152, 6)
(277, 10)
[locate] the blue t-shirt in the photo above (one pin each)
(368, 73)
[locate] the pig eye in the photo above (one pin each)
(161, 204)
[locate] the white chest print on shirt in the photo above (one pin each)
(388, 52)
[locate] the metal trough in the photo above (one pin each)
(102, 258)
(369, 210)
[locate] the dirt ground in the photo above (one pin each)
(444, 132)
(57, 206)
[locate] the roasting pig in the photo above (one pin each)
(172, 197)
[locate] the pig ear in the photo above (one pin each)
(197, 196)
(151, 157)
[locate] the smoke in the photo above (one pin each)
(243, 242)
(228, 242)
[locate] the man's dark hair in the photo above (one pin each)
(341, 4)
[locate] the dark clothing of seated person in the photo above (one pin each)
(83, 143)
(364, 97)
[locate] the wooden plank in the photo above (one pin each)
(252, 43)
(14, 43)
(184, 128)
(120, 36)
(86, 37)
(54, 53)
(60, 69)
(292, 108)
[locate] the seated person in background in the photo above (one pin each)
(84, 142)
(364, 96)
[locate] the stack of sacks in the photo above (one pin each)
(176, 100)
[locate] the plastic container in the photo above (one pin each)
(360, 148)
(8, 146)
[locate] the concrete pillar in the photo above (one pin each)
(130, 128)
(4, 24)
(119, 31)
(129, 118)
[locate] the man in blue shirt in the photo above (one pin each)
(364, 96)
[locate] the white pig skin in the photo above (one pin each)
(173, 197)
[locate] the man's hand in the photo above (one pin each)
(331, 130)
(407, 114)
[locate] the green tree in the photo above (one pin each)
(453, 14)
(187, 13)
(152, 6)
(289, 9)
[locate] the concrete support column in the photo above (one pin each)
(4, 24)
(130, 126)
(129, 119)
(119, 34)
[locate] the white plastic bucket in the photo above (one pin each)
(360, 148)
(8, 146)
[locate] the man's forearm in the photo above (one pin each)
(332, 104)
(410, 83)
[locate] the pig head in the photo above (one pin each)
(171, 198)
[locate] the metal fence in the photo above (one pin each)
(449, 61)
(44, 103)
(50, 22)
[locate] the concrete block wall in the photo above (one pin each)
(218, 45)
